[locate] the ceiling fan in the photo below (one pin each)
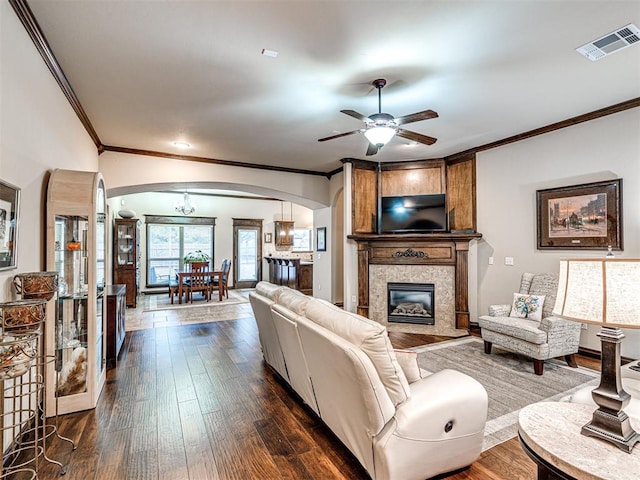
(381, 127)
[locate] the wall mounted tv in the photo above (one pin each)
(413, 214)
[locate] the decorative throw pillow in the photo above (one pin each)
(527, 306)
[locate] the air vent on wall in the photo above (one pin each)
(610, 43)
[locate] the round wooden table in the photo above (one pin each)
(550, 434)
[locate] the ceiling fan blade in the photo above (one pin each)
(416, 117)
(372, 149)
(354, 114)
(416, 137)
(338, 136)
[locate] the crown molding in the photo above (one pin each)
(24, 13)
(585, 117)
(192, 158)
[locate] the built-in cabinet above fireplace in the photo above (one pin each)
(438, 259)
(371, 181)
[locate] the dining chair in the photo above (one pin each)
(225, 268)
(199, 280)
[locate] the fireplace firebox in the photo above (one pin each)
(411, 303)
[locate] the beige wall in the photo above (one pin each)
(507, 180)
(39, 131)
(127, 173)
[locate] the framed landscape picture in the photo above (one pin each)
(9, 208)
(587, 216)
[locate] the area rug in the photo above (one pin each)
(508, 378)
(154, 303)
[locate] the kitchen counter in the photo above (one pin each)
(292, 272)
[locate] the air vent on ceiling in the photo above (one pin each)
(610, 43)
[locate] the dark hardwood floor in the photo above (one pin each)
(197, 402)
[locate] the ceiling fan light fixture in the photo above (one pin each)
(379, 136)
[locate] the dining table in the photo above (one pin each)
(211, 274)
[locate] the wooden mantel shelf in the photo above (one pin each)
(446, 248)
(415, 237)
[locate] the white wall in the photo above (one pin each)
(322, 265)
(38, 132)
(507, 180)
(350, 265)
(225, 209)
(338, 239)
(127, 173)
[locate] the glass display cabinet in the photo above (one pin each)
(75, 328)
(126, 257)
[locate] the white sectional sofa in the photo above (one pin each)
(343, 367)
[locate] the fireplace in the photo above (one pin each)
(411, 303)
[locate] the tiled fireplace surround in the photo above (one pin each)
(440, 259)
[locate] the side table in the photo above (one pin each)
(549, 433)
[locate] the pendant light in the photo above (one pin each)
(291, 214)
(283, 232)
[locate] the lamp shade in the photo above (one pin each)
(603, 291)
(379, 136)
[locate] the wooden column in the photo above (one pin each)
(363, 279)
(462, 284)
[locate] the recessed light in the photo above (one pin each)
(269, 53)
(182, 144)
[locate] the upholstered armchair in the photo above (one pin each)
(528, 327)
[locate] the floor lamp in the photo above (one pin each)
(605, 292)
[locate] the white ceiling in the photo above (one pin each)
(149, 73)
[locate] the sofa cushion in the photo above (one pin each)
(293, 300)
(527, 306)
(521, 328)
(370, 337)
(268, 290)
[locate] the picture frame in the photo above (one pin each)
(586, 216)
(9, 220)
(321, 239)
(268, 238)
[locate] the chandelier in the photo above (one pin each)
(186, 206)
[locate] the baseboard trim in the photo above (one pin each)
(592, 353)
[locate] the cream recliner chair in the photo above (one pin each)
(541, 340)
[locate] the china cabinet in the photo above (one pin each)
(75, 328)
(126, 257)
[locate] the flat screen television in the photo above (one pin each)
(413, 214)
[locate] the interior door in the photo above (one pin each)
(247, 252)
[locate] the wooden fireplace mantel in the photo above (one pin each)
(416, 249)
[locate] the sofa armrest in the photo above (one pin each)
(556, 326)
(445, 397)
(499, 310)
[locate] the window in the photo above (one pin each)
(302, 240)
(168, 243)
